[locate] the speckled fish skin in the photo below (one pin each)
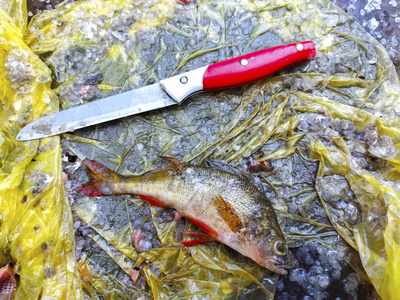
(231, 209)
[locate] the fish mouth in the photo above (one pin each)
(278, 266)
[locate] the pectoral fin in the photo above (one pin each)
(199, 235)
(153, 200)
(202, 238)
(203, 226)
(227, 212)
(195, 242)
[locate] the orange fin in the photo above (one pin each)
(195, 242)
(102, 180)
(153, 200)
(177, 162)
(227, 212)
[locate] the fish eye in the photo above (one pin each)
(280, 247)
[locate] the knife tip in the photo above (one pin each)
(21, 137)
(26, 135)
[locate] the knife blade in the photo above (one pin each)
(174, 90)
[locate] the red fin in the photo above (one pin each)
(91, 189)
(195, 242)
(102, 180)
(202, 238)
(153, 200)
(203, 227)
(199, 235)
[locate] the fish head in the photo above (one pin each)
(273, 253)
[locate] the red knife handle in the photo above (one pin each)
(237, 71)
(256, 65)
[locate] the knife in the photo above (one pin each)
(174, 90)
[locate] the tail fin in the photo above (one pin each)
(103, 180)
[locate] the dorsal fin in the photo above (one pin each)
(230, 169)
(177, 162)
(223, 166)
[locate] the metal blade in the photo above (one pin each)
(122, 105)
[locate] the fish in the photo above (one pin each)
(218, 198)
(7, 282)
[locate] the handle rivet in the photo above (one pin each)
(299, 47)
(183, 79)
(244, 62)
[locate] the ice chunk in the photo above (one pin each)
(119, 35)
(298, 275)
(144, 246)
(48, 272)
(373, 24)
(280, 286)
(372, 5)
(351, 282)
(309, 260)
(323, 281)
(88, 29)
(336, 274)
(321, 249)
(383, 148)
(371, 135)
